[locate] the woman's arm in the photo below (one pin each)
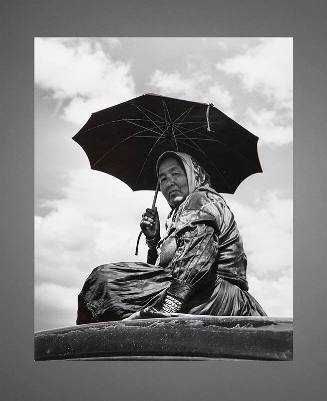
(152, 250)
(198, 225)
(197, 249)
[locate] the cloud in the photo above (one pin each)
(266, 68)
(50, 294)
(55, 306)
(95, 222)
(174, 83)
(267, 232)
(198, 86)
(269, 126)
(220, 97)
(275, 296)
(81, 76)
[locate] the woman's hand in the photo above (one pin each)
(150, 224)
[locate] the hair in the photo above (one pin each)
(200, 176)
(166, 156)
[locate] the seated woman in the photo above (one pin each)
(198, 267)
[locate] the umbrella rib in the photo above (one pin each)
(197, 147)
(146, 160)
(135, 119)
(187, 131)
(168, 120)
(150, 120)
(129, 120)
(116, 146)
(145, 128)
(148, 136)
(161, 124)
(149, 111)
(207, 139)
(174, 136)
(186, 113)
(164, 111)
(165, 107)
(99, 125)
(189, 122)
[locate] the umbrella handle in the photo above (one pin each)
(153, 208)
(155, 196)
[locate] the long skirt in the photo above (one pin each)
(114, 291)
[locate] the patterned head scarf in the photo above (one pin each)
(196, 175)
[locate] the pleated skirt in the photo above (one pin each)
(114, 291)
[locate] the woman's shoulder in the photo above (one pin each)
(204, 197)
(204, 205)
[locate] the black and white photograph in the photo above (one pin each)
(203, 132)
(163, 224)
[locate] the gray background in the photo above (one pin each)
(24, 379)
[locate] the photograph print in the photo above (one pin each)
(163, 198)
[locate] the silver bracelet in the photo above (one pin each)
(171, 304)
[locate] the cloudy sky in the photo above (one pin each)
(85, 218)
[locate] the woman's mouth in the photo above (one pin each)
(174, 192)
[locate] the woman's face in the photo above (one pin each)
(173, 182)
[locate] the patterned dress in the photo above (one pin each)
(200, 262)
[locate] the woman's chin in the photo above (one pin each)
(176, 201)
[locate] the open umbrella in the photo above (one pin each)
(126, 140)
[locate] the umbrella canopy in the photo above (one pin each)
(126, 140)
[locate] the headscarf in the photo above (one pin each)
(196, 175)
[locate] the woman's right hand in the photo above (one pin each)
(150, 224)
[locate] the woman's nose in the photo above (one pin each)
(170, 181)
